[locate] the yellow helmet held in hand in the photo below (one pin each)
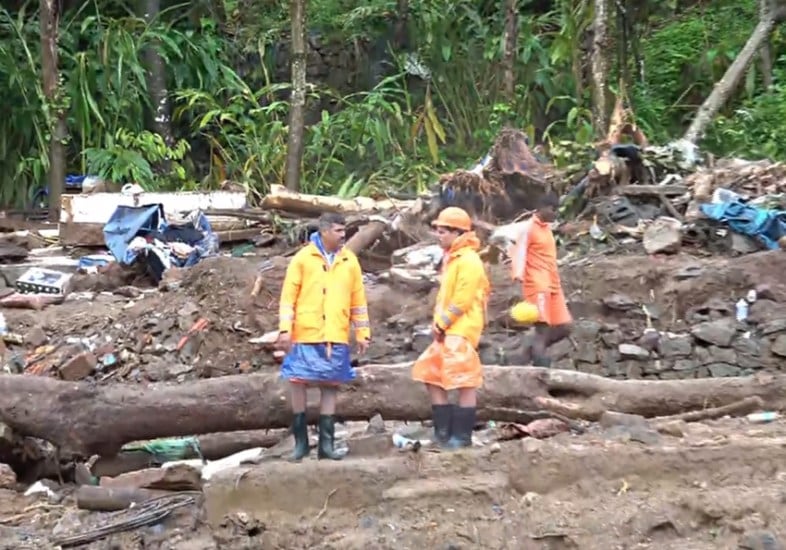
(524, 313)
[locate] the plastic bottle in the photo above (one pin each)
(763, 417)
(402, 442)
(3, 325)
(742, 310)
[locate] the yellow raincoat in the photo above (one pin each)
(320, 302)
(460, 312)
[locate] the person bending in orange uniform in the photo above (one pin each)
(322, 295)
(534, 265)
(451, 361)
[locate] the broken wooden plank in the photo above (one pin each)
(99, 207)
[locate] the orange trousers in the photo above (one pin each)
(449, 365)
(555, 312)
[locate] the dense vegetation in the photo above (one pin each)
(390, 129)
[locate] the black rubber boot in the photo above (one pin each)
(300, 431)
(441, 416)
(462, 426)
(327, 434)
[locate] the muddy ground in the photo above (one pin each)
(702, 486)
(710, 486)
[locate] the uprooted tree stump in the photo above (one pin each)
(85, 419)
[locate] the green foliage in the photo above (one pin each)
(129, 157)
(756, 128)
(685, 56)
(439, 109)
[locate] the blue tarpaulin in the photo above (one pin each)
(149, 222)
(128, 222)
(765, 225)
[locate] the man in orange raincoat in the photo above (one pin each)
(534, 265)
(451, 362)
(322, 296)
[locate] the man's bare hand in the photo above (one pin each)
(362, 347)
(439, 334)
(284, 341)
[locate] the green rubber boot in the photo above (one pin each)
(327, 434)
(300, 431)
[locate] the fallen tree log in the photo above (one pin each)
(281, 198)
(112, 499)
(82, 418)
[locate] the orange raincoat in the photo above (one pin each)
(461, 312)
(534, 263)
(319, 303)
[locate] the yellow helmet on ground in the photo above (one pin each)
(524, 313)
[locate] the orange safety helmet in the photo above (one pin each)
(454, 218)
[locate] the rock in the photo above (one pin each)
(611, 339)
(421, 341)
(7, 477)
(720, 332)
(760, 540)
(611, 418)
(674, 428)
(745, 345)
(376, 425)
(632, 351)
(675, 345)
(685, 364)
(778, 347)
(619, 302)
(78, 367)
(721, 355)
(561, 349)
(663, 236)
(36, 337)
(773, 327)
(586, 329)
(721, 370)
(636, 432)
(586, 352)
(764, 292)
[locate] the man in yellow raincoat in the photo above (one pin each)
(322, 297)
(451, 362)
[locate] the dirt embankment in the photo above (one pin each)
(690, 301)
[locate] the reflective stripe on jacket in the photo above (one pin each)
(461, 302)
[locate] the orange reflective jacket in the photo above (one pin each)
(319, 302)
(534, 258)
(461, 302)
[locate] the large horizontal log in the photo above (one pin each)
(82, 418)
(280, 198)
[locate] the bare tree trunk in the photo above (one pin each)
(401, 30)
(765, 56)
(601, 66)
(50, 22)
(297, 103)
(735, 73)
(510, 41)
(156, 77)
